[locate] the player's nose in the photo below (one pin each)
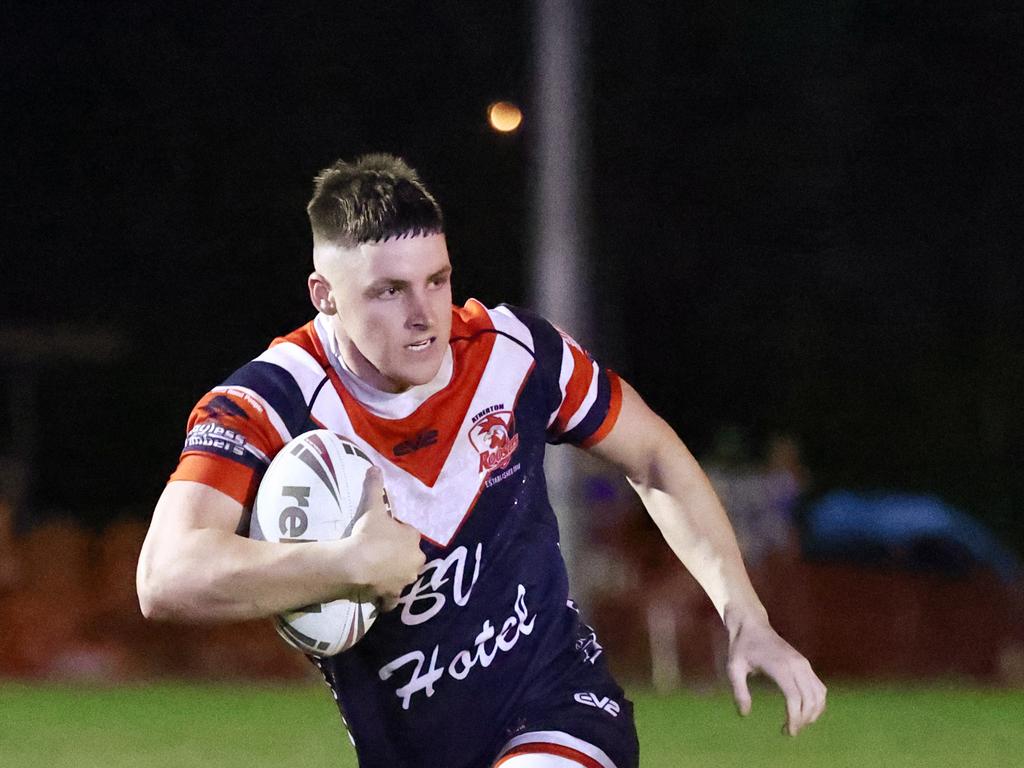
(420, 313)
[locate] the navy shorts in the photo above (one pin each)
(576, 707)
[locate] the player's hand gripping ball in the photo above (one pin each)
(311, 492)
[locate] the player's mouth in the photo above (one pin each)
(421, 346)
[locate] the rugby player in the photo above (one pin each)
(481, 658)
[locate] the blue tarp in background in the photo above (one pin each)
(902, 530)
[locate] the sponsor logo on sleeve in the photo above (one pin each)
(244, 395)
(222, 406)
(211, 435)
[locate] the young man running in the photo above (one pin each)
(481, 658)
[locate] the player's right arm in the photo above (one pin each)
(194, 567)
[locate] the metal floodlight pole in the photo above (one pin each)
(558, 281)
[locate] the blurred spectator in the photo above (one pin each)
(760, 497)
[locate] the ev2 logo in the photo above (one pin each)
(603, 703)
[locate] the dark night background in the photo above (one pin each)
(804, 216)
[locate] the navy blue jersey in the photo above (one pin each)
(441, 678)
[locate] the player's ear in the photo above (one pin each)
(320, 294)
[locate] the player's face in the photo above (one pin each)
(392, 305)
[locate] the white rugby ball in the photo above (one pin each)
(311, 492)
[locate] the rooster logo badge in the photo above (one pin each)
(492, 437)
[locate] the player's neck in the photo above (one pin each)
(377, 400)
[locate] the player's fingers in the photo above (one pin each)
(809, 698)
(821, 693)
(812, 690)
(794, 705)
(373, 490)
(738, 669)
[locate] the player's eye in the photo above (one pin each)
(389, 292)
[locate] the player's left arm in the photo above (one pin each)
(681, 501)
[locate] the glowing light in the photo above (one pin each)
(504, 116)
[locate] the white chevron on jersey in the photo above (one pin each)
(506, 322)
(435, 511)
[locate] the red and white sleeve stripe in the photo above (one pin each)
(577, 381)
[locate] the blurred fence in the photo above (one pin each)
(68, 610)
(852, 622)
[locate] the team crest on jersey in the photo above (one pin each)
(493, 436)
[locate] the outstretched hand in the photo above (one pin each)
(756, 647)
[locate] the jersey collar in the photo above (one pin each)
(389, 405)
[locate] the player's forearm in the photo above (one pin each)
(681, 501)
(214, 575)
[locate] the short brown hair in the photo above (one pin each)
(374, 198)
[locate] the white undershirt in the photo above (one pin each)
(388, 405)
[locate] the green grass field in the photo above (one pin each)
(186, 725)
